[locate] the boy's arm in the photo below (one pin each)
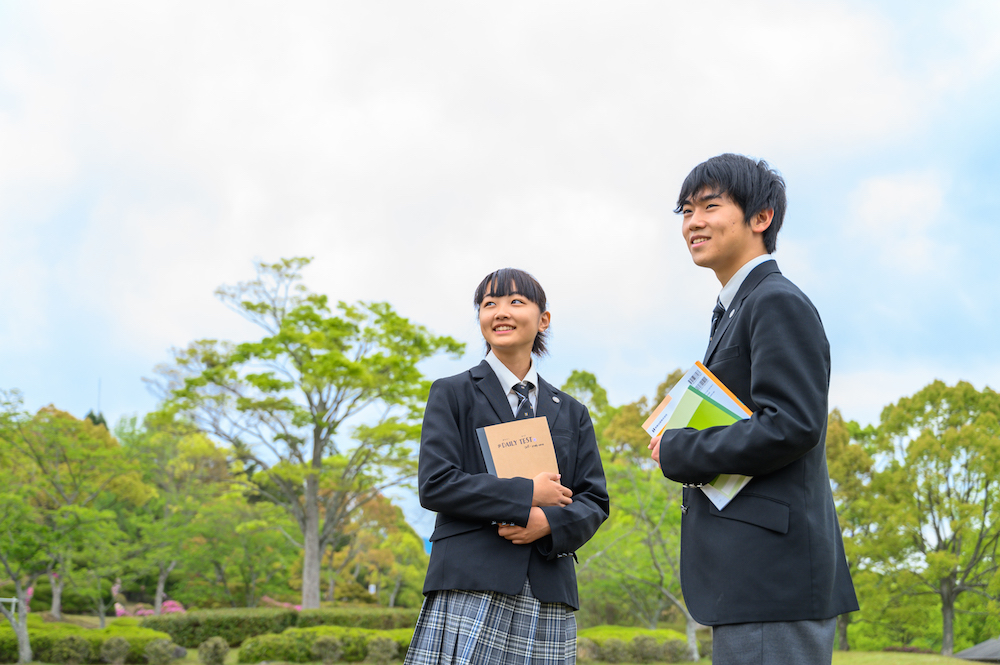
(789, 366)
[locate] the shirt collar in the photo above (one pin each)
(507, 378)
(733, 285)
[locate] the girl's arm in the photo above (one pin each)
(446, 458)
(573, 525)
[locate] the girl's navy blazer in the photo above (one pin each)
(467, 551)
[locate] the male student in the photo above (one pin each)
(768, 571)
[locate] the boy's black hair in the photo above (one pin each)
(507, 281)
(752, 185)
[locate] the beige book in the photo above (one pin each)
(518, 449)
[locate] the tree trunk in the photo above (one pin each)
(692, 638)
(332, 587)
(395, 590)
(842, 622)
(57, 589)
(161, 585)
(18, 619)
(948, 616)
(312, 557)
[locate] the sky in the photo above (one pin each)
(151, 152)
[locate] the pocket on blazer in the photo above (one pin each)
(726, 353)
(453, 528)
(758, 510)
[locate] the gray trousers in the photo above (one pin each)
(774, 643)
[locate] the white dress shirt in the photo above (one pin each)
(508, 380)
(733, 285)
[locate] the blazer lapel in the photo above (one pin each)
(549, 402)
(755, 277)
(487, 382)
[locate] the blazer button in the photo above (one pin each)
(555, 399)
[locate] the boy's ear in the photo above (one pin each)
(762, 220)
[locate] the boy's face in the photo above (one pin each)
(717, 235)
(510, 323)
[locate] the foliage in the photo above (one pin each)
(234, 626)
(115, 650)
(378, 618)
(327, 649)
(44, 636)
(295, 644)
(213, 651)
(281, 400)
(159, 652)
(381, 650)
(70, 650)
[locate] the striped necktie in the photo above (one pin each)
(524, 409)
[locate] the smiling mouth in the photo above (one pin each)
(697, 241)
(503, 328)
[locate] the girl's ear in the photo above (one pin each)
(544, 320)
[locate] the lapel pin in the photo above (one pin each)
(555, 399)
(731, 312)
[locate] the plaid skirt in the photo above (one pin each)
(490, 628)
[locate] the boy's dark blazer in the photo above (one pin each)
(467, 551)
(775, 553)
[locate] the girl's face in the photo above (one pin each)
(510, 323)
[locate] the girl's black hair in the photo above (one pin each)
(508, 281)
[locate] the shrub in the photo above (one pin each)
(381, 650)
(645, 649)
(234, 626)
(586, 649)
(327, 648)
(71, 650)
(675, 651)
(213, 651)
(614, 651)
(115, 650)
(159, 652)
(383, 618)
(295, 644)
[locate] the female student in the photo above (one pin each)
(501, 585)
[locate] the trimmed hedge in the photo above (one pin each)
(295, 644)
(237, 625)
(47, 638)
(619, 644)
(192, 628)
(380, 618)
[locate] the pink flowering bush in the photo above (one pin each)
(140, 610)
(172, 607)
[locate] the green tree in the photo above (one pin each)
(939, 455)
(280, 401)
(188, 470)
(237, 552)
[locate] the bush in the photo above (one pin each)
(234, 626)
(614, 651)
(587, 649)
(675, 651)
(295, 645)
(45, 636)
(159, 652)
(381, 650)
(327, 649)
(645, 649)
(213, 651)
(115, 650)
(381, 618)
(70, 650)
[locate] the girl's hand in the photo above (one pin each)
(548, 491)
(538, 527)
(654, 447)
